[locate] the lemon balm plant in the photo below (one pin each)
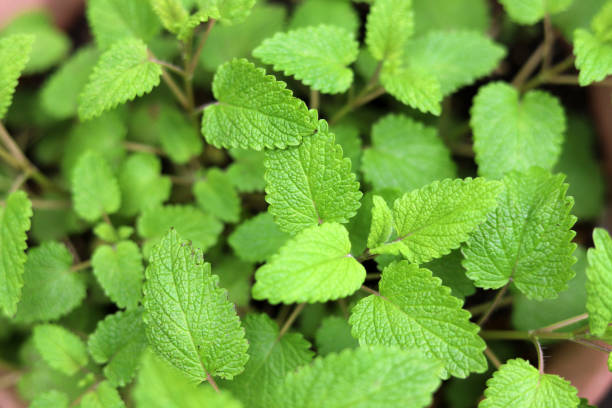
(179, 228)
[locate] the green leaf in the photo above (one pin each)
(114, 20)
(254, 110)
(314, 12)
(432, 220)
(257, 239)
(593, 57)
(14, 55)
(103, 396)
(461, 57)
(578, 15)
(527, 239)
(171, 13)
(451, 15)
(50, 45)
(216, 195)
(95, 190)
(373, 377)
(50, 288)
(119, 270)
(347, 136)
(160, 385)
(318, 56)
(389, 26)
(271, 358)
(513, 133)
(520, 385)
(334, 335)
(405, 155)
(122, 73)
(190, 223)
(414, 310)
(449, 269)
(227, 11)
(141, 183)
(311, 183)
(50, 399)
(532, 11)
(177, 135)
(236, 276)
(189, 320)
(61, 349)
(15, 218)
(382, 222)
(247, 170)
(414, 87)
(314, 266)
(599, 282)
(118, 342)
(60, 92)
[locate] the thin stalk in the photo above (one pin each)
(191, 66)
(8, 158)
(373, 276)
(314, 99)
(212, 382)
(481, 308)
(538, 346)
(573, 80)
(21, 178)
(491, 356)
(174, 88)
(523, 335)
(370, 291)
(357, 102)
(592, 345)
(41, 204)
(493, 305)
(296, 312)
(140, 147)
(530, 65)
(564, 323)
(80, 266)
(168, 65)
(549, 41)
(550, 73)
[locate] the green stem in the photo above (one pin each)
(212, 382)
(564, 323)
(368, 290)
(543, 77)
(538, 346)
(530, 65)
(80, 266)
(491, 356)
(483, 307)
(191, 66)
(296, 312)
(314, 99)
(174, 88)
(523, 335)
(493, 305)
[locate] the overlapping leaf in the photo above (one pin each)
(599, 282)
(14, 55)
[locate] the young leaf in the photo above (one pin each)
(257, 239)
(311, 183)
(254, 110)
(189, 320)
(367, 377)
(593, 57)
(114, 20)
(599, 282)
(51, 399)
(412, 86)
(141, 183)
(431, 221)
(460, 58)
(119, 270)
(102, 396)
(118, 342)
(382, 222)
(389, 25)
(405, 155)
(122, 73)
(318, 56)
(50, 288)
(414, 310)
(61, 349)
(527, 239)
(314, 266)
(159, 385)
(95, 190)
(217, 195)
(177, 135)
(14, 55)
(334, 335)
(520, 385)
(227, 11)
(171, 13)
(270, 359)
(532, 11)
(514, 134)
(14, 223)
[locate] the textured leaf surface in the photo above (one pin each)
(189, 320)
(520, 385)
(311, 183)
(270, 359)
(257, 239)
(118, 342)
(382, 222)
(50, 288)
(14, 223)
(14, 55)
(593, 57)
(95, 190)
(527, 238)
(405, 155)
(114, 20)
(254, 110)
(515, 134)
(389, 25)
(414, 87)
(314, 266)
(431, 221)
(141, 183)
(531, 11)
(103, 396)
(459, 59)
(160, 385)
(228, 11)
(119, 270)
(61, 349)
(318, 56)
(217, 195)
(171, 13)
(395, 378)
(599, 282)
(414, 310)
(334, 335)
(122, 73)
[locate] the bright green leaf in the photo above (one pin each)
(414, 87)
(532, 11)
(51, 399)
(257, 239)
(61, 349)
(593, 57)
(390, 24)
(171, 13)
(599, 282)
(382, 222)
(14, 55)
(102, 396)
